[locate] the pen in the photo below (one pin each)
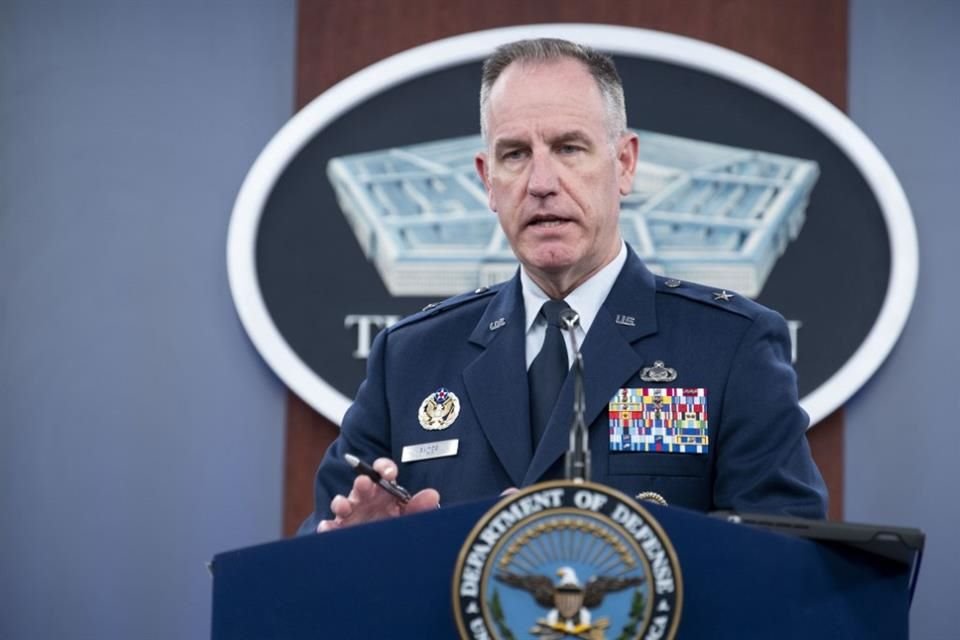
(361, 468)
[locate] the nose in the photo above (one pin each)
(543, 180)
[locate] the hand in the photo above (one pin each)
(368, 502)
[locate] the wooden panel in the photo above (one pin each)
(826, 441)
(308, 435)
(806, 39)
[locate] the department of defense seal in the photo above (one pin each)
(438, 410)
(566, 560)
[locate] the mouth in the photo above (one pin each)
(547, 221)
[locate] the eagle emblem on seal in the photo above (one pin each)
(569, 602)
(439, 409)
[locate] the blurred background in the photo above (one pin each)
(141, 433)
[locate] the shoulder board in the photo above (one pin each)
(435, 308)
(712, 296)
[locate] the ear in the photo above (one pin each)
(627, 150)
(483, 170)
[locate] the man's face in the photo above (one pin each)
(553, 175)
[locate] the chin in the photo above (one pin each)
(552, 262)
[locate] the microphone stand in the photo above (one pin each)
(577, 459)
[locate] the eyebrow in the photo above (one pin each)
(574, 135)
(509, 143)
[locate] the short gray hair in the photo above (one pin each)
(600, 66)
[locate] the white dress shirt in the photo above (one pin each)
(585, 300)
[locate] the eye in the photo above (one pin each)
(514, 154)
(569, 149)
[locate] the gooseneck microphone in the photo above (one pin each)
(577, 460)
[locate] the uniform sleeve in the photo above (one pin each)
(365, 433)
(763, 460)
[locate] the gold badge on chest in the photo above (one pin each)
(438, 410)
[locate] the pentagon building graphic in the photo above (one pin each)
(699, 211)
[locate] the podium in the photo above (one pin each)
(393, 579)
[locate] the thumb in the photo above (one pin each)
(426, 500)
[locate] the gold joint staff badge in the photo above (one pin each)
(438, 410)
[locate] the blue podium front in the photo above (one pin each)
(393, 579)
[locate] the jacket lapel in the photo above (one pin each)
(496, 380)
(609, 359)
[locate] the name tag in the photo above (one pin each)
(430, 450)
(659, 420)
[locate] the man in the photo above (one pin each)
(460, 394)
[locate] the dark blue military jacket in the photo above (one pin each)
(756, 460)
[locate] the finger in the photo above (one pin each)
(327, 525)
(386, 467)
(341, 507)
(369, 502)
(426, 500)
(509, 491)
(363, 489)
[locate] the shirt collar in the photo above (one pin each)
(586, 299)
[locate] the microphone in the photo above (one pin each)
(577, 460)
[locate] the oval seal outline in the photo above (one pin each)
(563, 495)
(670, 48)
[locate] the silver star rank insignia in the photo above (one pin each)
(723, 295)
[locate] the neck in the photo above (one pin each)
(559, 284)
(559, 287)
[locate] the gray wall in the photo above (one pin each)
(140, 432)
(903, 428)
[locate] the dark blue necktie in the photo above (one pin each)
(548, 370)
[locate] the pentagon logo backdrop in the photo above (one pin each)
(365, 207)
